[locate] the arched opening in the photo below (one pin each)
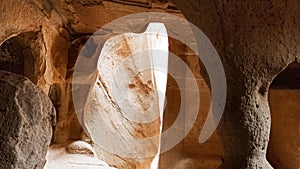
(284, 100)
(22, 54)
(189, 153)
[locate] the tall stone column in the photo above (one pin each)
(256, 40)
(245, 127)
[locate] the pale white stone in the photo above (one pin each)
(124, 109)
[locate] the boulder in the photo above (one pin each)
(27, 118)
(124, 109)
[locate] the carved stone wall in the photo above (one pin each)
(256, 40)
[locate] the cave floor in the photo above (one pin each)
(59, 158)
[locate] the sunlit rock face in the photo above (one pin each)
(253, 39)
(123, 113)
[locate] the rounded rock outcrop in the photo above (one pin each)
(27, 117)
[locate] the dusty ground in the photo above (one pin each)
(63, 157)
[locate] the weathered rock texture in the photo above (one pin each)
(256, 40)
(24, 55)
(63, 27)
(27, 118)
(123, 113)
